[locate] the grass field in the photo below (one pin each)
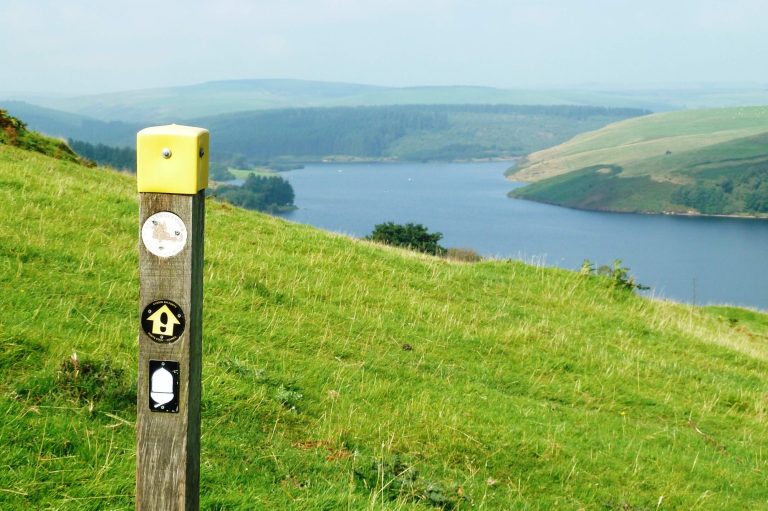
(339, 374)
(654, 159)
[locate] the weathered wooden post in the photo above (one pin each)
(172, 174)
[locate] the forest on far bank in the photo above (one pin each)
(372, 133)
(401, 132)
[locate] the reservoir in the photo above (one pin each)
(694, 260)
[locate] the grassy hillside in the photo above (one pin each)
(696, 161)
(172, 103)
(14, 133)
(73, 126)
(339, 374)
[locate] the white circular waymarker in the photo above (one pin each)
(164, 234)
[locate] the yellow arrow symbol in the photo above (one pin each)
(163, 321)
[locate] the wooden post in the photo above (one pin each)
(172, 173)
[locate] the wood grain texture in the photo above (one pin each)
(168, 444)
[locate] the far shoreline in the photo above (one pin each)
(689, 214)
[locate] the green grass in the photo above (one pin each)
(339, 374)
(755, 323)
(14, 132)
(660, 158)
(601, 187)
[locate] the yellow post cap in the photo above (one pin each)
(172, 159)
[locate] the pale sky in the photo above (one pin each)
(87, 46)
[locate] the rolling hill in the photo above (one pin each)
(340, 374)
(690, 162)
(57, 123)
(404, 132)
(169, 104)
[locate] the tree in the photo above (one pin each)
(262, 193)
(411, 236)
(617, 274)
(122, 158)
(219, 172)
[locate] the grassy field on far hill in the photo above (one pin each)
(339, 374)
(694, 162)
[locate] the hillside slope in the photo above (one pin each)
(14, 133)
(339, 374)
(692, 162)
(73, 126)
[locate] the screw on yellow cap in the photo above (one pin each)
(172, 159)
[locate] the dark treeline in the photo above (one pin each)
(397, 132)
(568, 111)
(316, 132)
(262, 193)
(122, 158)
(405, 132)
(745, 190)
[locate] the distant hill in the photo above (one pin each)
(58, 123)
(340, 374)
(405, 132)
(692, 162)
(171, 104)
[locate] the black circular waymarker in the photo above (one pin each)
(163, 321)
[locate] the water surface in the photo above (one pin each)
(706, 260)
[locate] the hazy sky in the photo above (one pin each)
(92, 46)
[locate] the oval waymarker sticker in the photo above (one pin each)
(164, 234)
(163, 321)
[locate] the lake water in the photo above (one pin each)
(701, 260)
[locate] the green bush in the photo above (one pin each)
(617, 275)
(410, 236)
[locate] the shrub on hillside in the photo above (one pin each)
(466, 255)
(617, 274)
(410, 236)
